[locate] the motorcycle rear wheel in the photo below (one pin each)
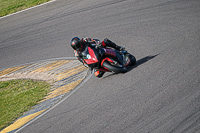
(113, 68)
(133, 60)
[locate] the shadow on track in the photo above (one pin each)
(142, 61)
(138, 63)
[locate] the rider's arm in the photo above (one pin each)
(89, 40)
(94, 43)
(79, 57)
(108, 43)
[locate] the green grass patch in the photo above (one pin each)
(18, 96)
(11, 6)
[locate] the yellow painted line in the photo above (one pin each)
(51, 66)
(64, 72)
(17, 124)
(11, 70)
(62, 90)
(70, 72)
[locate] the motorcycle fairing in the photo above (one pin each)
(106, 59)
(113, 53)
(90, 56)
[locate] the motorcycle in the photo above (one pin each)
(108, 59)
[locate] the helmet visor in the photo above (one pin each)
(76, 45)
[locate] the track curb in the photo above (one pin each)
(65, 74)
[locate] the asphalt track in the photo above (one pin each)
(161, 94)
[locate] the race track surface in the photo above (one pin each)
(161, 94)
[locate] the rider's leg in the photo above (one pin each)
(109, 43)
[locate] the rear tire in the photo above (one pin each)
(133, 60)
(113, 68)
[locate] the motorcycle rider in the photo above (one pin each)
(79, 45)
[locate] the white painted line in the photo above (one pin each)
(28, 9)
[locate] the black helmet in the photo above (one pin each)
(75, 43)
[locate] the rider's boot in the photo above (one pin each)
(98, 73)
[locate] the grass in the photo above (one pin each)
(11, 6)
(18, 96)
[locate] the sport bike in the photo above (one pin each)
(108, 59)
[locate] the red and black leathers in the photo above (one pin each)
(87, 44)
